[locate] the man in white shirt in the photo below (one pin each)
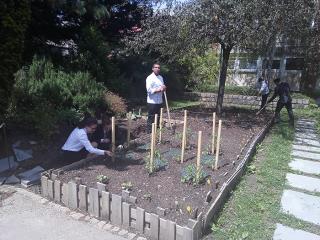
(155, 88)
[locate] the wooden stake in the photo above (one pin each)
(129, 128)
(113, 137)
(160, 124)
(218, 146)
(152, 148)
(168, 111)
(213, 131)
(184, 135)
(155, 128)
(199, 153)
(139, 111)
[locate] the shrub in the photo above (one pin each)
(116, 104)
(45, 95)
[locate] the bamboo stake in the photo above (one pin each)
(155, 128)
(168, 111)
(199, 153)
(213, 131)
(184, 135)
(152, 148)
(129, 128)
(218, 146)
(113, 140)
(160, 124)
(140, 112)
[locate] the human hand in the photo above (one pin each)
(106, 140)
(108, 153)
(163, 88)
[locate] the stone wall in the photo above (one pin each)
(209, 100)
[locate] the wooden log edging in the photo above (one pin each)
(234, 179)
(105, 206)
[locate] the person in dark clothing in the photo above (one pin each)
(101, 137)
(283, 91)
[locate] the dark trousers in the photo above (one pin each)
(69, 157)
(264, 100)
(288, 106)
(153, 109)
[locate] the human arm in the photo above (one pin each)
(153, 87)
(83, 137)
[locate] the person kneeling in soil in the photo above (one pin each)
(101, 137)
(283, 91)
(78, 145)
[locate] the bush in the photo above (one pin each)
(45, 95)
(115, 103)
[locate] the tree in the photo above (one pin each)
(199, 23)
(14, 18)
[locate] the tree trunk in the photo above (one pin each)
(223, 76)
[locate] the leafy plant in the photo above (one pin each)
(147, 196)
(127, 185)
(158, 163)
(190, 174)
(103, 178)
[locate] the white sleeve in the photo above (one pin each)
(83, 137)
(263, 86)
(149, 87)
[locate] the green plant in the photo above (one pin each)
(102, 178)
(147, 196)
(127, 185)
(115, 103)
(158, 163)
(190, 174)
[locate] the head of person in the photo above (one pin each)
(156, 69)
(89, 123)
(106, 123)
(260, 79)
(276, 81)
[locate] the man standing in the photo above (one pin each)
(155, 88)
(283, 91)
(264, 91)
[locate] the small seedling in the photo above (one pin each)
(127, 185)
(190, 174)
(189, 210)
(147, 196)
(252, 169)
(102, 178)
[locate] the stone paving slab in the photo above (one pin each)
(311, 136)
(302, 141)
(308, 155)
(303, 182)
(306, 148)
(310, 167)
(286, 233)
(303, 206)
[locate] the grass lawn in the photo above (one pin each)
(254, 207)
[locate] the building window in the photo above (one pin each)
(247, 63)
(275, 64)
(294, 64)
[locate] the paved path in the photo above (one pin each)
(27, 216)
(298, 198)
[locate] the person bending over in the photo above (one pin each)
(283, 91)
(78, 145)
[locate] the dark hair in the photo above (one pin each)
(155, 63)
(88, 121)
(260, 79)
(106, 120)
(277, 80)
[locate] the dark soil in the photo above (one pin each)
(164, 188)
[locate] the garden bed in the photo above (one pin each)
(164, 188)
